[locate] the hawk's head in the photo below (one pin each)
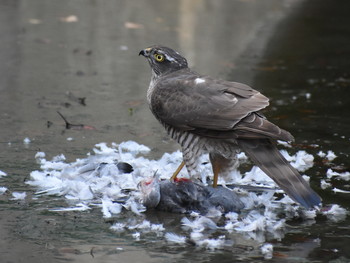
(163, 60)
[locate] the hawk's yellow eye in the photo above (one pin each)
(159, 57)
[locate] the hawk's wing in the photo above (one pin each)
(208, 106)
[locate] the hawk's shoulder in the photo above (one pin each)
(187, 100)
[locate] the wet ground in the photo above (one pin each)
(55, 54)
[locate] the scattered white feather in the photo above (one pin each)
(213, 213)
(256, 175)
(324, 184)
(212, 244)
(199, 224)
(19, 196)
(174, 238)
(253, 222)
(336, 213)
(303, 161)
(39, 155)
(137, 236)
(300, 161)
(321, 154)
(278, 225)
(330, 173)
(26, 140)
(133, 147)
(2, 190)
(306, 178)
(134, 206)
(2, 174)
(119, 227)
(331, 156)
(230, 226)
(145, 224)
(337, 190)
(79, 191)
(59, 158)
(78, 207)
(194, 214)
(287, 156)
(287, 201)
(96, 181)
(109, 208)
(343, 176)
(157, 228)
(196, 236)
(199, 80)
(309, 214)
(232, 216)
(285, 144)
(267, 250)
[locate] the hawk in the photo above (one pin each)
(218, 117)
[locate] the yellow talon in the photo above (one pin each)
(173, 177)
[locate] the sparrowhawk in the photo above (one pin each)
(218, 117)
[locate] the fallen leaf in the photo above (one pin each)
(77, 127)
(307, 111)
(34, 21)
(69, 19)
(280, 255)
(134, 103)
(69, 250)
(132, 25)
(159, 20)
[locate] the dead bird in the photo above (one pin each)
(185, 196)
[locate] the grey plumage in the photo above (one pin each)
(207, 115)
(186, 196)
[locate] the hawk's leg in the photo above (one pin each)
(173, 177)
(219, 164)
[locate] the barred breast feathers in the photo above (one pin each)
(201, 145)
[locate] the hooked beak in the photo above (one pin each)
(145, 52)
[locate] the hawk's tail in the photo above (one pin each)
(266, 155)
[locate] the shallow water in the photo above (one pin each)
(292, 51)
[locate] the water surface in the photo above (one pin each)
(55, 52)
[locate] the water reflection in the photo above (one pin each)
(286, 49)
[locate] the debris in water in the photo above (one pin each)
(69, 19)
(108, 179)
(132, 25)
(75, 126)
(2, 174)
(19, 196)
